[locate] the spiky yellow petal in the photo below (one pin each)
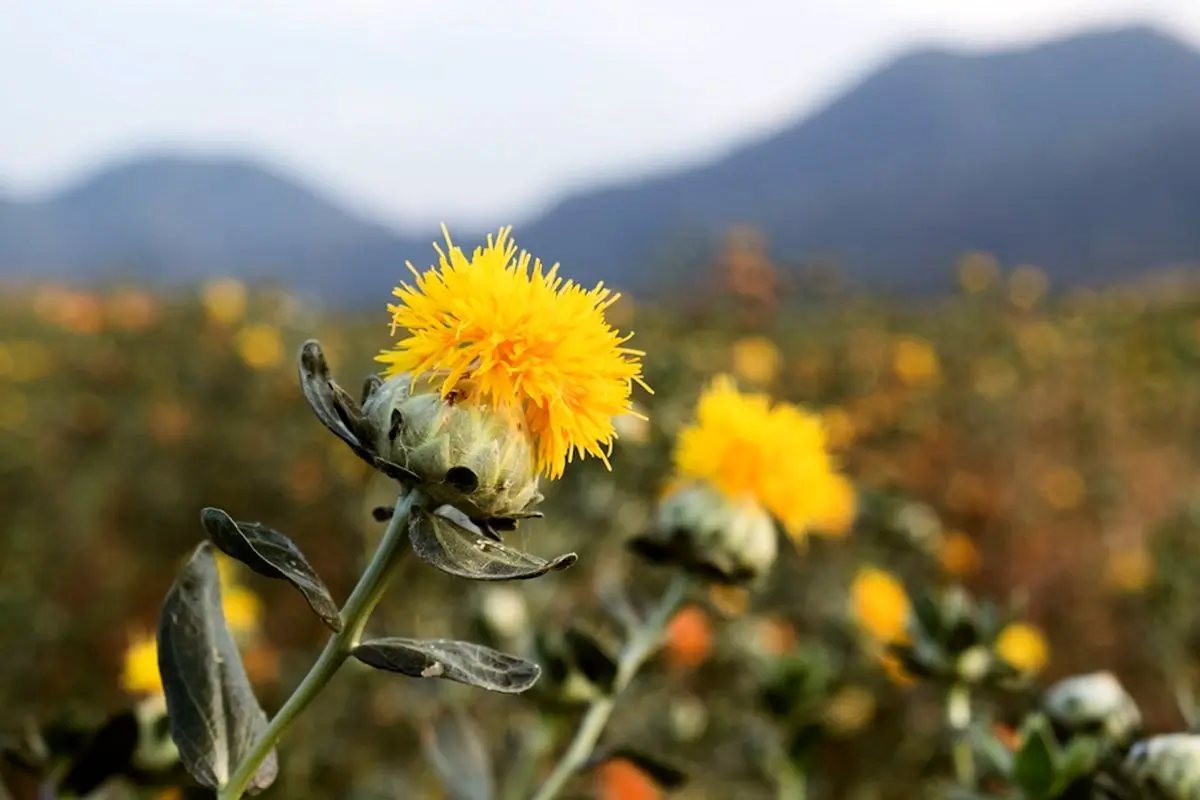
(776, 454)
(521, 338)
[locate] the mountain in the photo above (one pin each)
(174, 218)
(1074, 155)
(1078, 155)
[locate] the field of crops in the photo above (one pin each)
(1038, 448)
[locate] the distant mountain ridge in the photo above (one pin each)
(1081, 155)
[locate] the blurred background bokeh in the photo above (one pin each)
(966, 236)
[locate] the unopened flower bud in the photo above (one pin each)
(469, 456)
(974, 664)
(504, 612)
(1095, 703)
(1168, 765)
(702, 530)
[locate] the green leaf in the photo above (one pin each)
(215, 718)
(928, 615)
(991, 749)
(454, 746)
(1034, 768)
(447, 539)
(462, 662)
(272, 555)
(1080, 758)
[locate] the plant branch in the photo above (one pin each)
(637, 650)
(354, 615)
(958, 717)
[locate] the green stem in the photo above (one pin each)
(791, 782)
(639, 647)
(958, 717)
(354, 615)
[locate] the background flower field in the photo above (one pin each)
(1038, 447)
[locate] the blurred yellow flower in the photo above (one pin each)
(24, 361)
(977, 272)
(260, 346)
(839, 428)
(958, 555)
(1130, 569)
(756, 359)
(915, 361)
(1062, 487)
(880, 605)
(1026, 286)
(243, 609)
(836, 514)
(140, 674)
(224, 301)
(993, 377)
(523, 339)
(775, 456)
(850, 710)
(1023, 646)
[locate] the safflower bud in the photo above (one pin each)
(467, 455)
(700, 529)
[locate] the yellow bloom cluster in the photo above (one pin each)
(497, 329)
(773, 454)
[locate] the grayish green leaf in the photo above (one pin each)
(463, 662)
(447, 539)
(336, 409)
(455, 748)
(215, 718)
(272, 555)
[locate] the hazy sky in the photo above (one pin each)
(469, 111)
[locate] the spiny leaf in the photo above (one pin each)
(272, 555)
(462, 662)
(455, 748)
(215, 718)
(448, 540)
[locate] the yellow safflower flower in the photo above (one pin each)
(140, 674)
(224, 300)
(525, 340)
(1023, 646)
(915, 361)
(880, 604)
(756, 359)
(774, 455)
(260, 346)
(958, 555)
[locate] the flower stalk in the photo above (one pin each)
(363, 600)
(958, 719)
(644, 639)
